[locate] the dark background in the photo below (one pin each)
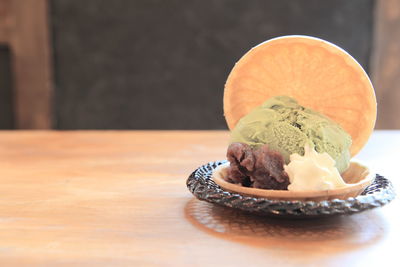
(6, 86)
(156, 64)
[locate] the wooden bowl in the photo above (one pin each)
(357, 176)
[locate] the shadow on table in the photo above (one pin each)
(333, 234)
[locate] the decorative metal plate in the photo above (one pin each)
(379, 193)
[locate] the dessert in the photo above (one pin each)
(281, 132)
(260, 168)
(318, 74)
(285, 126)
(298, 109)
(313, 171)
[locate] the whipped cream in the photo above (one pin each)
(313, 171)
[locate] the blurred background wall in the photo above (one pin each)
(154, 64)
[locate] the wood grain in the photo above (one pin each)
(29, 41)
(114, 198)
(385, 67)
(4, 21)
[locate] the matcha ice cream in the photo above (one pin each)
(285, 126)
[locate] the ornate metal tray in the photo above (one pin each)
(379, 193)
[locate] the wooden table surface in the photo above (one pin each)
(115, 198)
